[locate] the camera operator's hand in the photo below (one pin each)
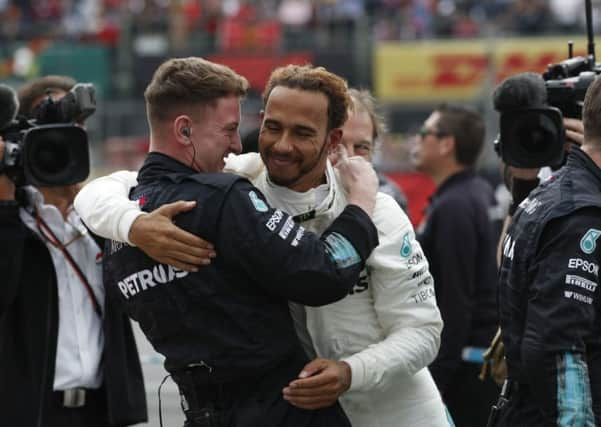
(7, 187)
(574, 130)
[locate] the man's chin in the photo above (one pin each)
(282, 181)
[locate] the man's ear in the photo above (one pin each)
(447, 145)
(181, 130)
(334, 138)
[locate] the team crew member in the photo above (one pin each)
(375, 344)
(226, 330)
(459, 242)
(549, 296)
(360, 134)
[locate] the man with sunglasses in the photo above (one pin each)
(458, 239)
(66, 357)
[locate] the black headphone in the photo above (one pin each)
(186, 132)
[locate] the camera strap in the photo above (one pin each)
(49, 235)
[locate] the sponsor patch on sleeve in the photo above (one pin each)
(341, 251)
(588, 243)
(406, 248)
(259, 204)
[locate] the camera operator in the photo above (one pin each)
(66, 357)
(548, 298)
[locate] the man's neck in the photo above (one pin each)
(594, 153)
(442, 173)
(60, 197)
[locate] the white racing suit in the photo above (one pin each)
(387, 329)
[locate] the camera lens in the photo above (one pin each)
(51, 156)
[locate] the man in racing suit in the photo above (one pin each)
(378, 340)
(549, 297)
(226, 331)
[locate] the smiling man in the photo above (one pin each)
(374, 345)
(225, 330)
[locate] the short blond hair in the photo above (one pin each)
(181, 82)
(317, 79)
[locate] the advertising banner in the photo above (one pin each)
(433, 71)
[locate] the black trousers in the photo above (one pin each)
(250, 402)
(92, 414)
(468, 399)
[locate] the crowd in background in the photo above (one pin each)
(104, 20)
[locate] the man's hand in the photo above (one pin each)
(358, 178)
(160, 239)
(574, 130)
(7, 187)
(320, 384)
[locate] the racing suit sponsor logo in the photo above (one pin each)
(419, 273)
(286, 228)
(426, 281)
(116, 246)
(259, 204)
(341, 251)
(581, 282)
(415, 259)
(577, 297)
(299, 235)
(530, 205)
(423, 295)
(406, 248)
(508, 247)
(362, 284)
(275, 219)
(584, 265)
(588, 243)
(148, 278)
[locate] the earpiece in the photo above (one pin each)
(186, 132)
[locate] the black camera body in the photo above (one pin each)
(567, 82)
(50, 150)
(532, 133)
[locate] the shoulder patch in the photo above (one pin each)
(406, 246)
(588, 243)
(259, 204)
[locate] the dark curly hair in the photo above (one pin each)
(308, 77)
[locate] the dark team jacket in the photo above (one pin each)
(233, 314)
(28, 335)
(549, 298)
(459, 242)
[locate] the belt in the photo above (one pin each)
(77, 397)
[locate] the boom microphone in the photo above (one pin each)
(525, 90)
(9, 105)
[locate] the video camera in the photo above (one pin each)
(531, 126)
(48, 150)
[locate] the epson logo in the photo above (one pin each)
(275, 219)
(584, 265)
(148, 278)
